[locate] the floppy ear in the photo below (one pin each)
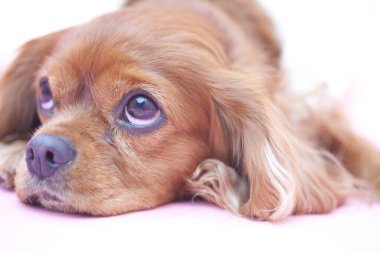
(256, 24)
(17, 99)
(274, 173)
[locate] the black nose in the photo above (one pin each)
(45, 154)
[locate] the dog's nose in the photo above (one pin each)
(45, 154)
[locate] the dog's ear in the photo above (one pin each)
(256, 24)
(273, 173)
(17, 99)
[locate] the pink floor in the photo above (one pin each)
(186, 227)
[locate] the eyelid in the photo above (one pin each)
(43, 79)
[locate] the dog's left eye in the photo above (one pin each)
(46, 99)
(141, 111)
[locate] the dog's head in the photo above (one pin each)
(129, 104)
(123, 108)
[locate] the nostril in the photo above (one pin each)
(29, 154)
(50, 157)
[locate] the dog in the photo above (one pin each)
(169, 100)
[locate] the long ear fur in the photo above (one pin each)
(255, 23)
(284, 172)
(17, 100)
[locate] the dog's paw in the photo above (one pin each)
(10, 156)
(218, 183)
(7, 177)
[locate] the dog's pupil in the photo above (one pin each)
(141, 107)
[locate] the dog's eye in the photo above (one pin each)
(141, 111)
(46, 100)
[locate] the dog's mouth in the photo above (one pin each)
(51, 202)
(42, 199)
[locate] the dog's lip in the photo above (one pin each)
(43, 196)
(50, 197)
(33, 199)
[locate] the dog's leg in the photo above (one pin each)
(10, 156)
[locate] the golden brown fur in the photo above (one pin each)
(233, 134)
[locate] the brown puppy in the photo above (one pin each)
(170, 99)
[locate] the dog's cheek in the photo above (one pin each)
(164, 179)
(93, 183)
(143, 181)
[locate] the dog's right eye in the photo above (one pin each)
(46, 99)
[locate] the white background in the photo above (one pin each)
(325, 41)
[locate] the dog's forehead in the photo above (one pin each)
(90, 57)
(103, 56)
(144, 34)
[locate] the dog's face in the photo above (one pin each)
(124, 121)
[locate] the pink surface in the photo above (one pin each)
(186, 227)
